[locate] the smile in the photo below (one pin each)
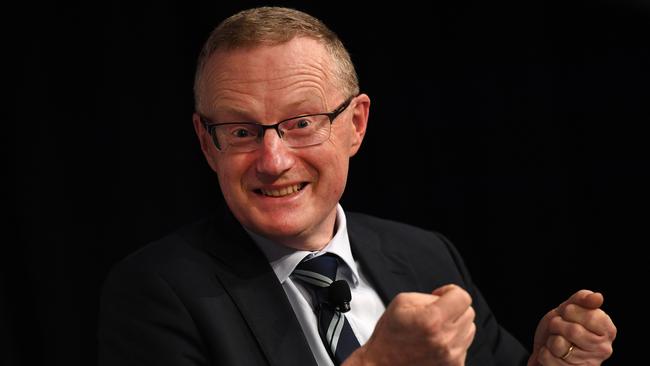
(282, 192)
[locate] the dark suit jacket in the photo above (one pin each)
(206, 295)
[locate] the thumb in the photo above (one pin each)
(443, 289)
(584, 298)
(593, 301)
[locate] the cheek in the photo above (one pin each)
(333, 168)
(342, 176)
(342, 139)
(230, 172)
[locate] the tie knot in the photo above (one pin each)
(319, 271)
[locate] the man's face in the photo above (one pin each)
(286, 194)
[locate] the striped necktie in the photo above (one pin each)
(334, 329)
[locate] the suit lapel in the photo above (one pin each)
(248, 278)
(388, 272)
(246, 275)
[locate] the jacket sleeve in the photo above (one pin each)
(143, 322)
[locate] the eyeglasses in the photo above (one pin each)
(300, 131)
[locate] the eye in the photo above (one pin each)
(303, 123)
(241, 132)
(299, 123)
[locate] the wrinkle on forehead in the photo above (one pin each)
(299, 86)
(263, 77)
(243, 108)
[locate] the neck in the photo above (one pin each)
(314, 239)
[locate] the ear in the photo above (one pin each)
(207, 146)
(361, 110)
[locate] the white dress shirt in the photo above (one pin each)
(366, 306)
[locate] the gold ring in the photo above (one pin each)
(568, 352)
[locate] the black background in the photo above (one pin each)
(516, 128)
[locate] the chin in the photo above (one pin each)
(278, 230)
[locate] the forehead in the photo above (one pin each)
(269, 74)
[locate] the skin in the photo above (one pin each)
(421, 329)
(267, 84)
(579, 321)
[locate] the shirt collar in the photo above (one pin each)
(284, 260)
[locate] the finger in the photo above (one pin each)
(415, 298)
(547, 358)
(594, 320)
(574, 333)
(463, 331)
(444, 289)
(468, 336)
(593, 301)
(569, 355)
(467, 317)
(411, 303)
(471, 332)
(468, 328)
(558, 345)
(411, 310)
(584, 298)
(453, 302)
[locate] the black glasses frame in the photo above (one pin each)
(210, 126)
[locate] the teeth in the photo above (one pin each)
(283, 191)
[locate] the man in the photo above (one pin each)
(278, 116)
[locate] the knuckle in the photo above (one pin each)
(464, 294)
(555, 324)
(466, 297)
(574, 331)
(605, 349)
(550, 341)
(401, 299)
(472, 332)
(599, 315)
(593, 317)
(544, 355)
(571, 308)
(555, 342)
(613, 332)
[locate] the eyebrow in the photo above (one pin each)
(299, 103)
(242, 115)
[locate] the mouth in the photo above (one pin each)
(281, 192)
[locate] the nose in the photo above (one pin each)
(275, 157)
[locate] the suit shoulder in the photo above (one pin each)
(404, 240)
(171, 253)
(394, 229)
(431, 258)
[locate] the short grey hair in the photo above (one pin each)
(272, 26)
